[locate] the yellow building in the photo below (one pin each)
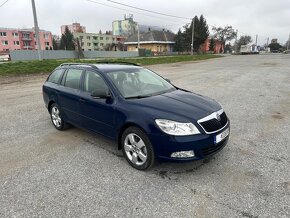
(156, 41)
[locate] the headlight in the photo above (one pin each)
(175, 128)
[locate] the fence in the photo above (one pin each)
(27, 55)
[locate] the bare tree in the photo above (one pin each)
(224, 34)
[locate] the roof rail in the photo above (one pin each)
(70, 64)
(117, 62)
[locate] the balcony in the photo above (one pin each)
(26, 38)
(27, 47)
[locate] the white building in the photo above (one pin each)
(125, 27)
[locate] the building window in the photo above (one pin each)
(16, 42)
(95, 38)
(15, 34)
(101, 44)
(88, 37)
(45, 36)
(5, 42)
(101, 38)
(96, 44)
(81, 37)
(3, 34)
(47, 43)
(107, 38)
(88, 44)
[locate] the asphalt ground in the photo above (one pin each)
(73, 173)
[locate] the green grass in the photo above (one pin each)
(46, 66)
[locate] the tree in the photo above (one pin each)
(67, 40)
(224, 34)
(275, 47)
(211, 44)
(228, 48)
(178, 46)
(244, 40)
(54, 44)
(184, 39)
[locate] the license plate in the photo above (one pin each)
(218, 138)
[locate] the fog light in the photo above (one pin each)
(183, 154)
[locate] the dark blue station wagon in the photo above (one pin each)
(150, 118)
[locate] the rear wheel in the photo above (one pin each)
(137, 148)
(56, 118)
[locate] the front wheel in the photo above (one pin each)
(137, 148)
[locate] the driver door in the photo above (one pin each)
(97, 113)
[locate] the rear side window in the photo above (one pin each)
(72, 79)
(55, 76)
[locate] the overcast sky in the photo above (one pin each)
(267, 18)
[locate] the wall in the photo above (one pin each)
(152, 47)
(26, 55)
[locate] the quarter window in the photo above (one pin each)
(73, 78)
(94, 82)
(55, 76)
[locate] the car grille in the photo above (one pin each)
(213, 125)
(215, 148)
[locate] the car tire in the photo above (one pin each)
(137, 148)
(56, 118)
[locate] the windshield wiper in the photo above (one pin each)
(138, 96)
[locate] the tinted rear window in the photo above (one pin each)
(73, 78)
(55, 76)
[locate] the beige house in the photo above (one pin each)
(156, 41)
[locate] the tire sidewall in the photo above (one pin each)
(150, 152)
(61, 127)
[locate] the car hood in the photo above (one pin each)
(179, 105)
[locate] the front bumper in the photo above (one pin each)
(202, 145)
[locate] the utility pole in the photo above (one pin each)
(236, 40)
(192, 36)
(288, 43)
(138, 36)
(256, 39)
(267, 41)
(36, 29)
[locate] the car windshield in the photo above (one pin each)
(139, 83)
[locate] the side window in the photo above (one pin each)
(72, 79)
(55, 76)
(93, 82)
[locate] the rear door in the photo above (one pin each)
(69, 95)
(97, 114)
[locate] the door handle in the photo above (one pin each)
(82, 100)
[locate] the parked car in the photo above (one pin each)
(149, 117)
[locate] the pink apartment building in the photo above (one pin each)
(23, 39)
(74, 28)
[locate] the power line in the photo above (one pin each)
(123, 9)
(154, 12)
(4, 3)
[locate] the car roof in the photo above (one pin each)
(115, 67)
(103, 67)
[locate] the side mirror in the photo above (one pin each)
(168, 80)
(101, 93)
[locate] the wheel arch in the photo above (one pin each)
(123, 128)
(49, 105)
